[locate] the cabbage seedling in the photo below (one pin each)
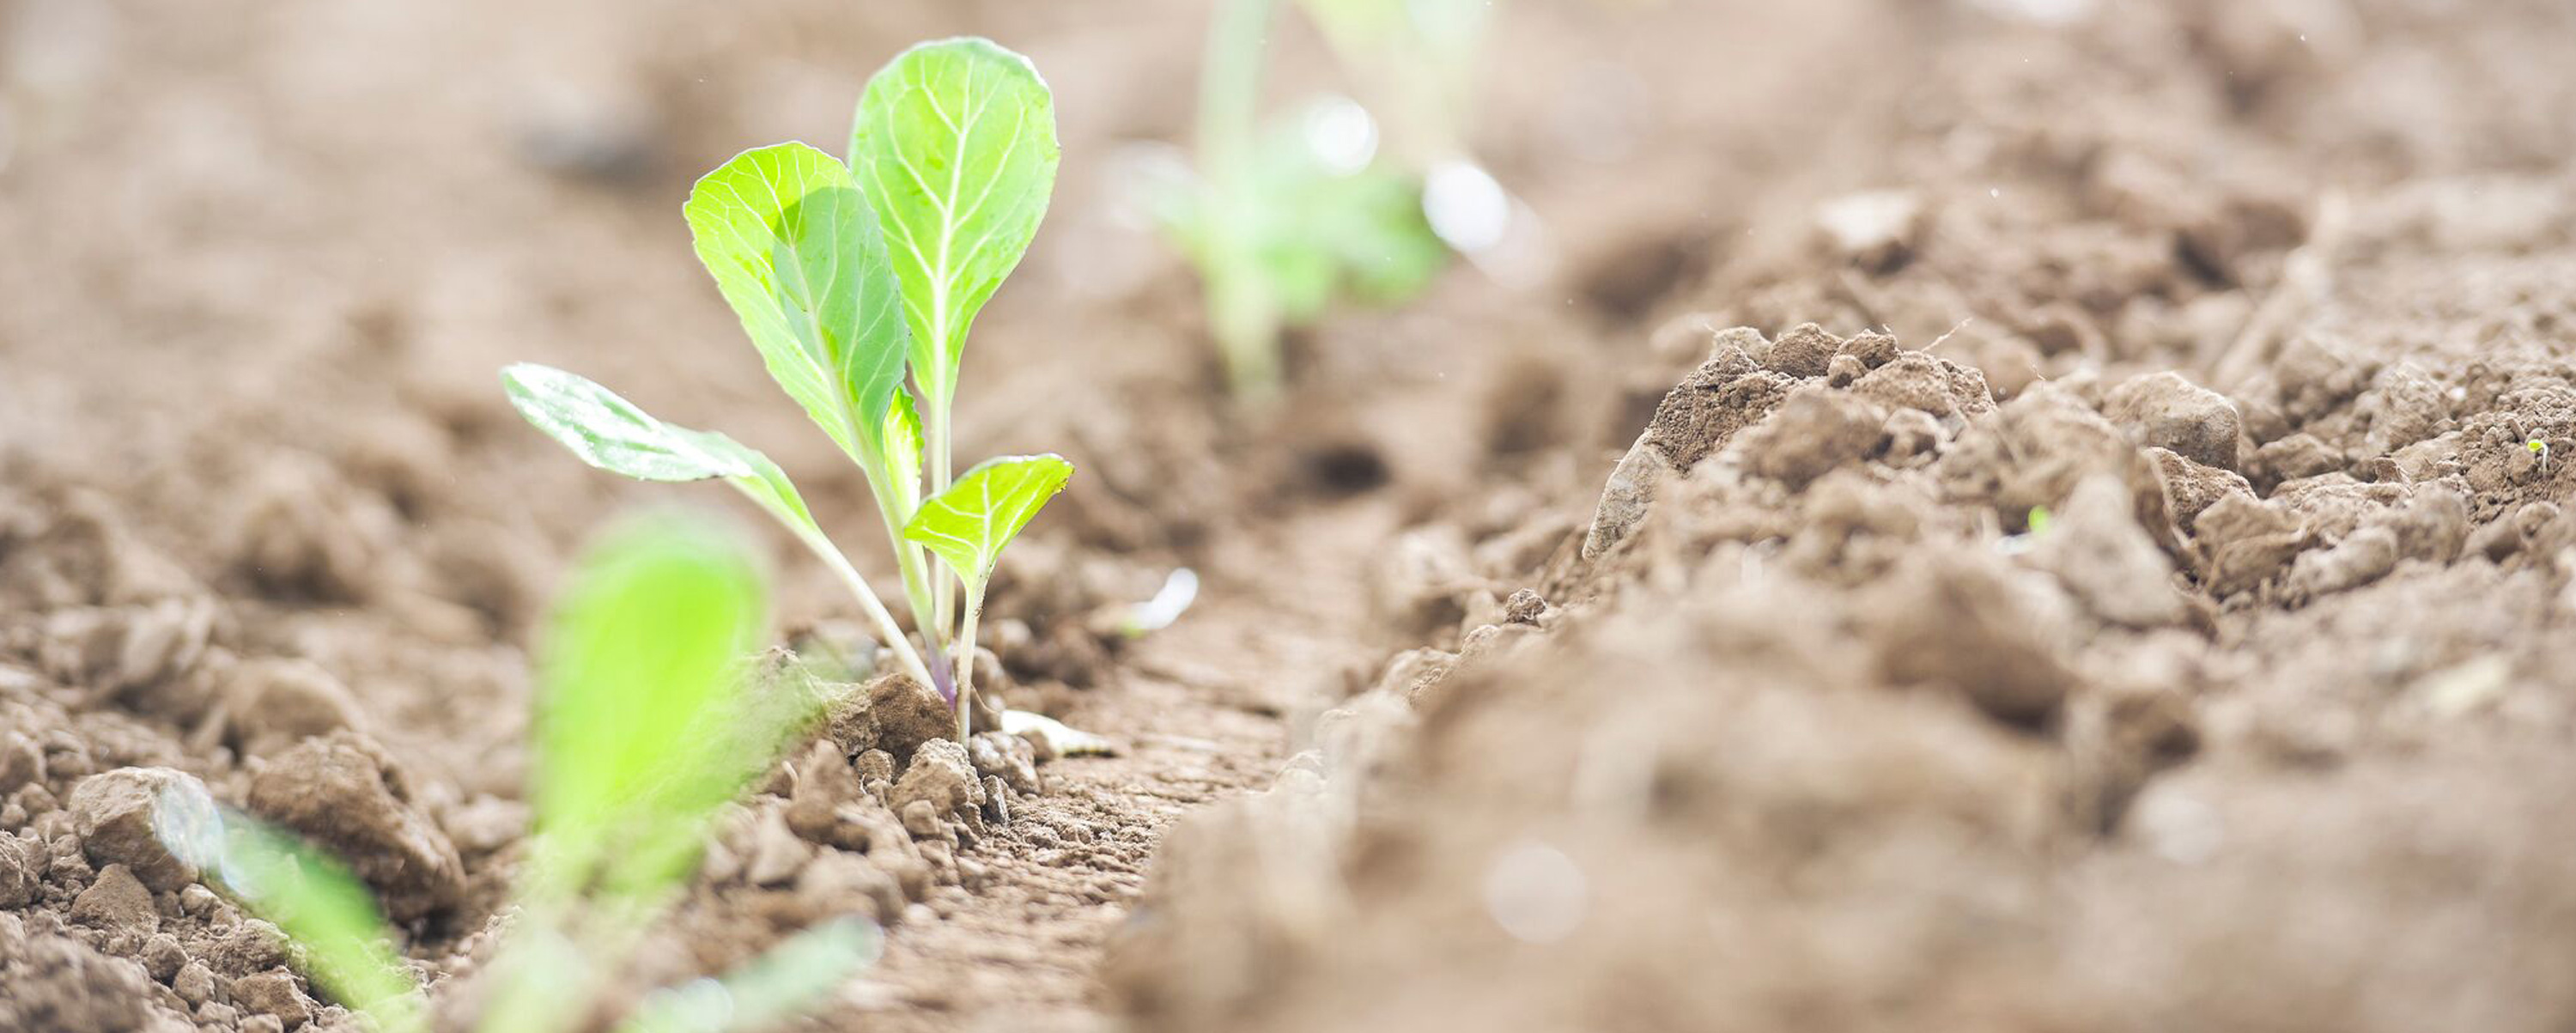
(644, 729)
(858, 282)
(1283, 225)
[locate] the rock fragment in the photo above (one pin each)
(907, 714)
(273, 993)
(2164, 410)
(116, 902)
(941, 775)
(121, 817)
(343, 792)
(276, 703)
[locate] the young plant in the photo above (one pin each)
(1283, 224)
(644, 729)
(858, 283)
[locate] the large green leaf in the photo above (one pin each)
(968, 524)
(613, 434)
(639, 662)
(955, 145)
(798, 254)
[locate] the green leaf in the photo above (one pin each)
(344, 943)
(1317, 236)
(639, 662)
(613, 434)
(955, 146)
(968, 524)
(787, 981)
(797, 252)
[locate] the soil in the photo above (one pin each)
(1992, 515)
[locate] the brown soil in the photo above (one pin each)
(1565, 659)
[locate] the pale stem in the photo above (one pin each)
(937, 399)
(917, 580)
(965, 662)
(1241, 313)
(877, 615)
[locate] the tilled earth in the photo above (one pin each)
(1992, 522)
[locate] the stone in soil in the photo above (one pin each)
(120, 816)
(941, 775)
(273, 992)
(22, 869)
(276, 703)
(905, 714)
(343, 792)
(2166, 411)
(118, 903)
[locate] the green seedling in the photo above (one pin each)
(646, 725)
(1283, 224)
(858, 282)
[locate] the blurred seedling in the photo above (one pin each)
(1284, 221)
(857, 282)
(645, 726)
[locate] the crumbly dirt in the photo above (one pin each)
(1979, 522)
(2163, 631)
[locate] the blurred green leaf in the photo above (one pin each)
(788, 981)
(1321, 235)
(968, 524)
(954, 143)
(640, 660)
(797, 252)
(340, 939)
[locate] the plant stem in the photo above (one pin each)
(886, 628)
(1242, 315)
(917, 591)
(966, 663)
(935, 424)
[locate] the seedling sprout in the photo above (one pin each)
(644, 729)
(1282, 223)
(858, 282)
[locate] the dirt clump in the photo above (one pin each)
(344, 792)
(2165, 411)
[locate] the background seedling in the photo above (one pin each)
(1283, 223)
(858, 283)
(645, 727)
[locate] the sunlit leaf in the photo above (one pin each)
(789, 980)
(903, 453)
(609, 432)
(797, 252)
(968, 524)
(613, 434)
(639, 659)
(955, 146)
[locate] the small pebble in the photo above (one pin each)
(195, 983)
